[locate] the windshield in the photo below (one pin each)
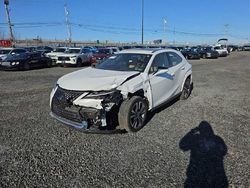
(17, 56)
(125, 62)
(4, 51)
(60, 50)
(74, 51)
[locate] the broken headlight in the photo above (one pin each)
(100, 94)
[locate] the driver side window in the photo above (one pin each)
(160, 61)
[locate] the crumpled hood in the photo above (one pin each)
(92, 79)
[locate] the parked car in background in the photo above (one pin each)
(115, 50)
(121, 90)
(44, 49)
(121, 48)
(4, 52)
(127, 47)
(91, 48)
(30, 48)
(190, 53)
(246, 48)
(55, 53)
(75, 57)
(99, 56)
(25, 61)
(207, 52)
(223, 52)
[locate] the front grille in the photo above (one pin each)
(60, 58)
(62, 104)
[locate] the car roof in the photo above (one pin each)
(146, 50)
(75, 48)
(7, 48)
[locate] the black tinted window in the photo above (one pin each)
(174, 58)
(18, 51)
(161, 60)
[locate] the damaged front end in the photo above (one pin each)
(86, 110)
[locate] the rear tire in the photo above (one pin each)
(79, 63)
(187, 88)
(132, 114)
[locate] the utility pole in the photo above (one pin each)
(174, 35)
(68, 24)
(226, 32)
(142, 23)
(165, 29)
(6, 4)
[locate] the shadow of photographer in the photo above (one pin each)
(207, 150)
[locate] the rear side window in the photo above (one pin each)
(174, 58)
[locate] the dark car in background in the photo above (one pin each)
(190, 53)
(25, 61)
(4, 52)
(207, 52)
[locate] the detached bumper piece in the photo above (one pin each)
(85, 119)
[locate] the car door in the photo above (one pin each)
(85, 55)
(161, 80)
(177, 70)
(34, 59)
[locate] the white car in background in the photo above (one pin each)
(56, 52)
(121, 90)
(75, 57)
(222, 51)
(114, 50)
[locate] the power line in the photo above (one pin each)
(118, 29)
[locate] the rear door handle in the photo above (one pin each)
(183, 68)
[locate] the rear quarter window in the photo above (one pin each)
(174, 58)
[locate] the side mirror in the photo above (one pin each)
(157, 69)
(154, 70)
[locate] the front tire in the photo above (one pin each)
(26, 66)
(132, 114)
(49, 64)
(187, 88)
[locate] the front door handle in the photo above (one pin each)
(183, 68)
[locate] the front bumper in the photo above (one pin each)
(87, 119)
(83, 128)
(66, 62)
(212, 55)
(194, 56)
(10, 67)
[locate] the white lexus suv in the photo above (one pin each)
(119, 92)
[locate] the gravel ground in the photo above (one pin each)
(38, 151)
